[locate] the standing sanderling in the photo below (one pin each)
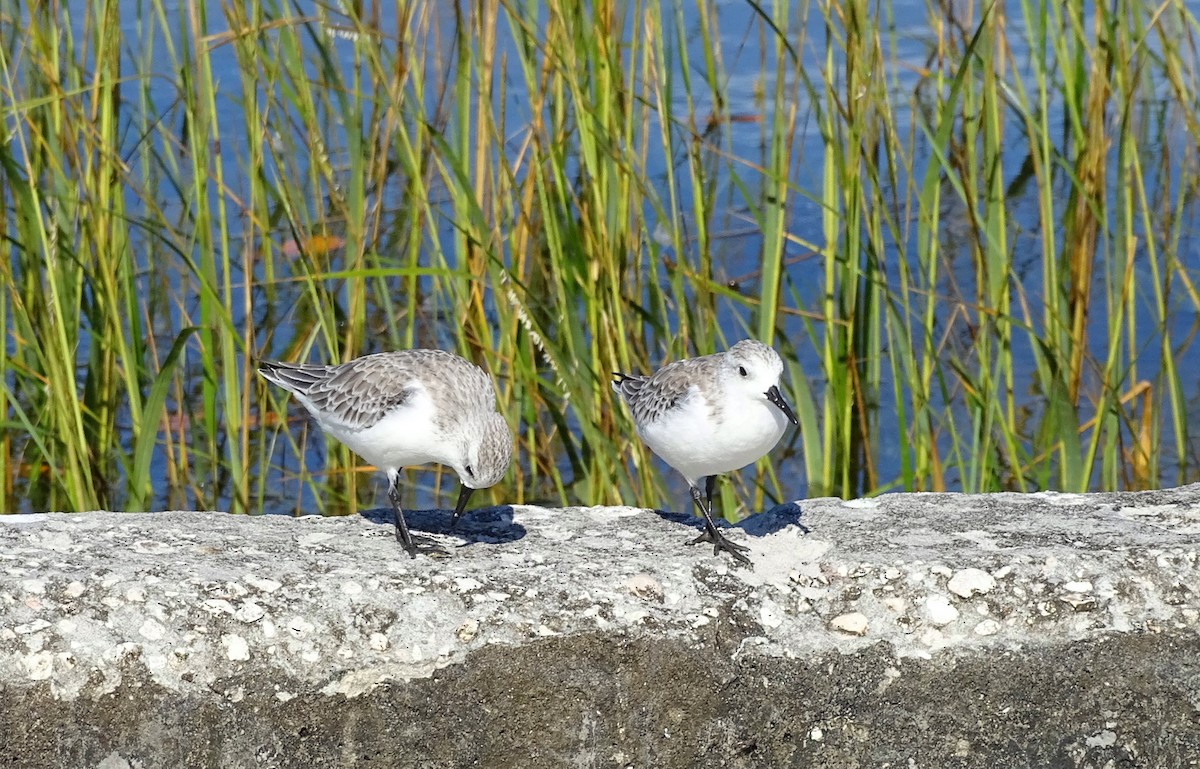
(396, 409)
(711, 415)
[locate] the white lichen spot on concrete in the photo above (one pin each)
(74, 589)
(351, 588)
(250, 611)
(987, 627)
(284, 696)
(633, 616)
(467, 584)
(152, 630)
(645, 587)
(1061, 499)
(236, 647)
(983, 539)
(854, 623)
(816, 734)
(156, 610)
(136, 594)
(467, 631)
(1079, 602)
(39, 666)
(235, 589)
(314, 539)
(152, 547)
(217, 606)
(890, 676)
(769, 615)
(262, 583)
(378, 642)
(933, 638)
(33, 626)
(118, 653)
(939, 611)
(968, 582)
(114, 760)
(1078, 586)
(299, 626)
(861, 504)
(35, 586)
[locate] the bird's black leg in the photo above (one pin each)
(403, 535)
(709, 483)
(712, 534)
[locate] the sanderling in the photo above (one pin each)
(711, 415)
(396, 409)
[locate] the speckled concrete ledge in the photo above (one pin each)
(915, 629)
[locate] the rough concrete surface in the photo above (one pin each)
(913, 630)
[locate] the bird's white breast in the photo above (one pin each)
(407, 436)
(697, 443)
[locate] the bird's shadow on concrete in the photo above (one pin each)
(757, 525)
(776, 519)
(488, 525)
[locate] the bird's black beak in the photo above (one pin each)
(776, 397)
(463, 495)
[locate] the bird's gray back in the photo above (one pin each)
(649, 398)
(359, 393)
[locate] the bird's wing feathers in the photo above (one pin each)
(357, 400)
(357, 394)
(352, 394)
(651, 397)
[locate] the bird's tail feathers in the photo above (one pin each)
(293, 377)
(627, 385)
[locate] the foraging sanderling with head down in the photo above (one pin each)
(403, 408)
(710, 415)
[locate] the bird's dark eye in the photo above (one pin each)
(742, 370)
(469, 470)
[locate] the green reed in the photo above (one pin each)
(988, 295)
